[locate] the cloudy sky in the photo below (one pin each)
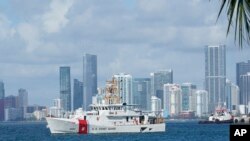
(131, 36)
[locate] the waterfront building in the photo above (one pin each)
(1, 109)
(188, 97)
(142, 92)
(100, 97)
(11, 101)
(58, 103)
(65, 87)
(12, 110)
(158, 79)
(13, 114)
(172, 100)
(57, 109)
(242, 68)
(215, 74)
(124, 84)
(22, 101)
(202, 103)
(40, 114)
(156, 105)
(245, 89)
(2, 91)
(33, 108)
(89, 79)
(77, 94)
(22, 98)
(232, 97)
(2, 95)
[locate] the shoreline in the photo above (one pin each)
(3, 122)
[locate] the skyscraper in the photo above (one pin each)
(22, 98)
(245, 88)
(215, 74)
(232, 96)
(65, 87)
(156, 105)
(2, 95)
(10, 101)
(142, 92)
(188, 97)
(172, 100)
(22, 101)
(242, 68)
(202, 103)
(2, 92)
(89, 79)
(124, 83)
(158, 79)
(77, 94)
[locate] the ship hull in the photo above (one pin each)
(216, 122)
(61, 125)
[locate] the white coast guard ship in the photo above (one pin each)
(115, 118)
(110, 117)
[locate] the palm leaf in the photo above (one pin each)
(238, 13)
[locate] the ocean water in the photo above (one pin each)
(175, 131)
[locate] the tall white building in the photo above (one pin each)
(245, 89)
(232, 97)
(215, 75)
(172, 100)
(57, 109)
(202, 103)
(58, 103)
(124, 83)
(156, 105)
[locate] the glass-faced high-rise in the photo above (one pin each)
(2, 95)
(242, 68)
(245, 89)
(142, 92)
(22, 98)
(158, 79)
(188, 97)
(1, 90)
(89, 79)
(65, 87)
(215, 75)
(77, 94)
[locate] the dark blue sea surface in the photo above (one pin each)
(175, 131)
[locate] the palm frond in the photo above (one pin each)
(238, 13)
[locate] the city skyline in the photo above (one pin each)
(34, 44)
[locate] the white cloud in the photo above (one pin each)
(30, 34)
(55, 18)
(152, 5)
(5, 30)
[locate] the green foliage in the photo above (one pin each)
(238, 13)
